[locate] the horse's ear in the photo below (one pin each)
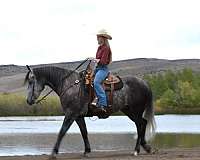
(30, 72)
(29, 68)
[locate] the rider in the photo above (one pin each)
(103, 58)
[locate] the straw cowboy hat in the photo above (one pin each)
(104, 33)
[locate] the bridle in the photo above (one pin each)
(64, 77)
(33, 90)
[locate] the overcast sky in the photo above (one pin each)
(48, 31)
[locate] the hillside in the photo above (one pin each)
(12, 76)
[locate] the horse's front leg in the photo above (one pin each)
(65, 126)
(81, 123)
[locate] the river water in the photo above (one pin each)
(37, 135)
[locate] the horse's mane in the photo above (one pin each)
(51, 73)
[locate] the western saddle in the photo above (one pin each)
(110, 84)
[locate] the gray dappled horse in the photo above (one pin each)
(134, 100)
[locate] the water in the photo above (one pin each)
(114, 124)
(37, 135)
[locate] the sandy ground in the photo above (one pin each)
(163, 154)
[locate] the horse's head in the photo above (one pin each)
(35, 86)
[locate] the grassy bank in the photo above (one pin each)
(15, 105)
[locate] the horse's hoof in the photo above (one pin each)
(53, 155)
(135, 153)
(86, 155)
(147, 148)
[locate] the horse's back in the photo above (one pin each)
(135, 83)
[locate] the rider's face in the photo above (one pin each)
(100, 40)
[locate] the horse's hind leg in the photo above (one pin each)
(83, 129)
(140, 123)
(141, 127)
(139, 132)
(65, 126)
(144, 144)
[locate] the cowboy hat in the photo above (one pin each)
(104, 33)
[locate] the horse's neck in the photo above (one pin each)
(58, 82)
(51, 77)
(52, 86)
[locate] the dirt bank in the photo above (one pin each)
(163, 154)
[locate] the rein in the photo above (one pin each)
(67, 76)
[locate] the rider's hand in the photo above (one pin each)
(94, 59)
(97, 60)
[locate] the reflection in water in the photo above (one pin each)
(37, 144)
(177, 140)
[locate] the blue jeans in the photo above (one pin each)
(101, 72)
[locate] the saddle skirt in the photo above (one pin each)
(112, 82)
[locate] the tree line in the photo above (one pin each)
(176, 90)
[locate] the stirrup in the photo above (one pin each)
(94, 102)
